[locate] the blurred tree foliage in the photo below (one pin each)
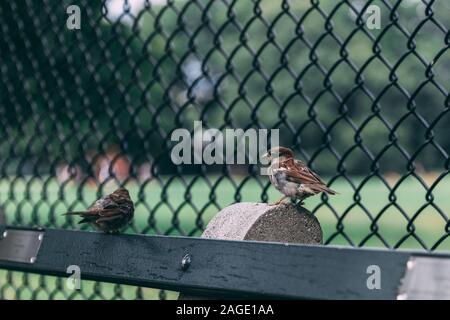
(334, 88)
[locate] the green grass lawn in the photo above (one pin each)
(162, 201)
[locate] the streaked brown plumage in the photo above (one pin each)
(292, 177)
(110, 213)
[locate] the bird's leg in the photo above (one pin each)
(278, 202)
(300, 202)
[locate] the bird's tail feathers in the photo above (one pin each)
(74, 213)
(330, 191)
(318, 188)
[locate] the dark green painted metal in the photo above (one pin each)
(219, 267)
(2, 230)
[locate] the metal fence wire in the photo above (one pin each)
(86, 109)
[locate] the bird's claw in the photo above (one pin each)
(299, 203)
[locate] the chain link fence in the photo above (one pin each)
(86, 109)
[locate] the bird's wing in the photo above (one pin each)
(301, 165)
(297, 172)
(104, 207)
(119, 200)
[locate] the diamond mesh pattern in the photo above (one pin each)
(83, 111)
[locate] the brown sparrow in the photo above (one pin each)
(110, 213)
(292, 177)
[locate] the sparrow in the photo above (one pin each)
(110, 213)
(292, 177)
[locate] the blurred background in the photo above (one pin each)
(83, 111)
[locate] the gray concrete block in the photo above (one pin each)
(262, 222)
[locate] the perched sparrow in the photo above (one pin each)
(292, 177)
(110, 213)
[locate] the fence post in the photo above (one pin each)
(262, 222)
